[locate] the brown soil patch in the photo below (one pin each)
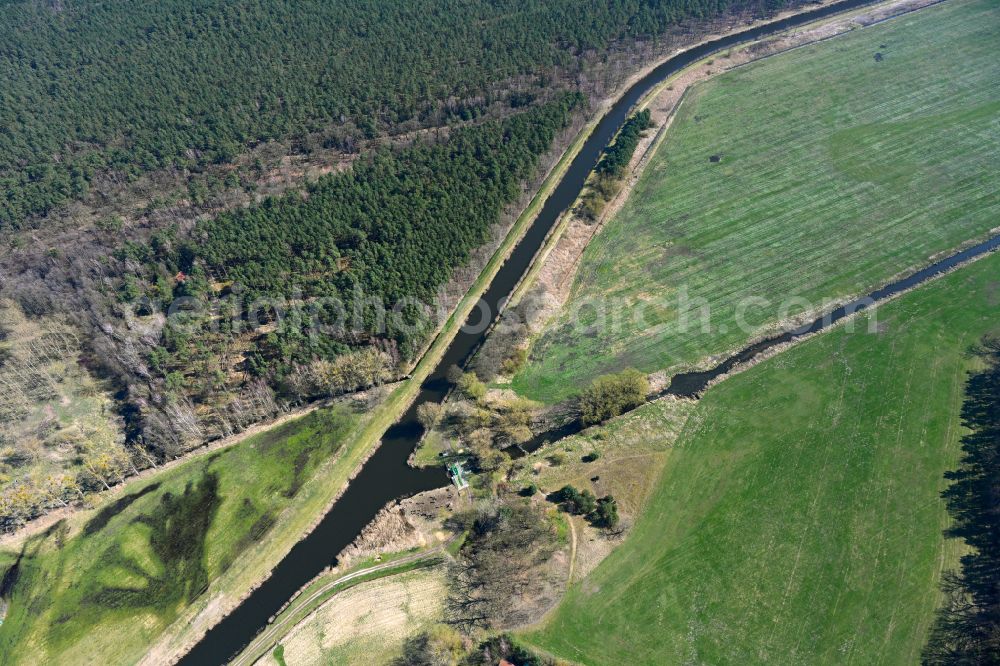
(415, 522)
(367, 623)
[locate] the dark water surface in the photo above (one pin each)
(387, 476)
(691, 384)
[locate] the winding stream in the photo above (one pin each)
(386, 476)
(692, 384)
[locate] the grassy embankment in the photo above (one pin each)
(56, 622)
(798, 518)
(840, 164)
(103, 584)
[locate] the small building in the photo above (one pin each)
(457, 475)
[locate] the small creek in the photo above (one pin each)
(692, 384)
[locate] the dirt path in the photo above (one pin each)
(274, 632)
(572, 550)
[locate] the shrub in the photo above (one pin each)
(605, 514)
(111, 223)
(574, 501)
(612, 395)
(513, 420)
(454, 374)
(513, 363)
(440, 644)
(470, 385)
(591, 206)
(428, 414)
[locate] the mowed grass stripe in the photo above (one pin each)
(838, 172)
(799, 519)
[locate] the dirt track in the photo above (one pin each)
(277, 630)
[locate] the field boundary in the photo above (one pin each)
(289, 619)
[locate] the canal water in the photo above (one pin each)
(387, 476)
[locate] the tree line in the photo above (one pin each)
(101, 463)
(967, 629)
(606, 180)
(617, 156)
(90, 87)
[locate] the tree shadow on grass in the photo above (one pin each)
(155, 564)
(967, 630)
(177, 534)
(104, 516)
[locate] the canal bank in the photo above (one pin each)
(386, 476)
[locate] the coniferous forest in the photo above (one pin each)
(120, 121)
(89, 86)
(390, 231)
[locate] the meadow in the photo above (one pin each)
(798, 518)
(632, 452)
(103, 585)
(367, 623)
(797, 180)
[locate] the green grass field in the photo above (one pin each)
(798, 519)
(838, 170)
(100, 588)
